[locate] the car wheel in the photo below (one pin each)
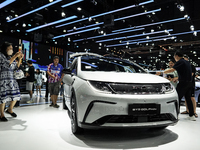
(74, 125)
(64, 105)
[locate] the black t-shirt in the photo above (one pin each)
(31, 73)
(184, 70)
(194, 72)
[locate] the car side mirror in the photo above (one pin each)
(67, 71)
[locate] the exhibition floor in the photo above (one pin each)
(40, 127)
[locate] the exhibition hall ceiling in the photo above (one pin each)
(143, 30)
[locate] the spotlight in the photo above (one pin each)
(186, 17)
(152, 30)
(16, 15)
(64, 30)
(166, 31)
(63, 14)
(173, 37)
(90, 19)
(69, 39)
(195, 33)
(8, 18)
(79, 9)
(24, 25)
(181, 8)
(74, 28)
(192, 28)
(50, 1)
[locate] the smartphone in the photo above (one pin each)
(170, 75)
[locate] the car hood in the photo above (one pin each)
(122, 77)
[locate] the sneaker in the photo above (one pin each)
(31, 101)
(192, 118)
(51, 105)
(40, 95)
(56, 106)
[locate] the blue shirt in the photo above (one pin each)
(55, 71)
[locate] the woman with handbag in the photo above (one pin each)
(9, 90)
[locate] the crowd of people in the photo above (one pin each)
(9, 84)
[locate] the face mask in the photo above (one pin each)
(10, 52)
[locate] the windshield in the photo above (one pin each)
(109, 64)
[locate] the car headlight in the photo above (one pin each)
(100, 86)
(167, 88)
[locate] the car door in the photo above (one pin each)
(68, 80)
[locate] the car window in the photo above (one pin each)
(73, 67)
(108, 64)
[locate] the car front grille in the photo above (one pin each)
(134, 119)
(135, 89)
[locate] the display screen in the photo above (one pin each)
(26, 49)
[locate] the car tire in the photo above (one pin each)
(74, 122)
(64, 105)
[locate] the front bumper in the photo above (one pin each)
(101, 110)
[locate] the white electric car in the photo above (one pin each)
(105, 92)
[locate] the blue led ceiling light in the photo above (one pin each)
(92, 25)
(144, 13)
(109, 34)
(155, 37)
(72, 3)
(71, 22)
(173, 36)
(138, 35)
(139, 42)
(113, 11)
(32, 11)
(149, 24)
(185, 32)
(76, 32)
(7, 2)
(114, 20)
(52, 23)
(106, 13)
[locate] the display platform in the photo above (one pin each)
(44, 127)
